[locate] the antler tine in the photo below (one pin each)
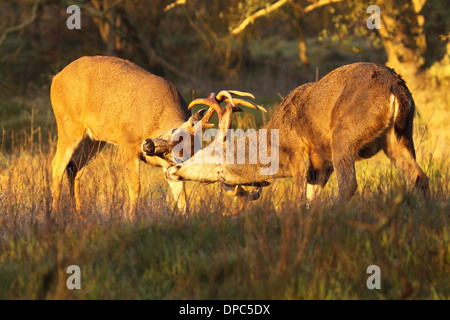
(247, 104)
(213, 106)
(224, 93)
(213, 102)
(242, 94)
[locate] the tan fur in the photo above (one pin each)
(99, 100)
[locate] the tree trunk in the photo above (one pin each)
(303, 50)
(107, 28)
(110, 41)
(402, 37)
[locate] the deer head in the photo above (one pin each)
(163, 146)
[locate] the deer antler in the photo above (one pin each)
(220, 96)
(211, 101)
(224, 114)
(224, 96)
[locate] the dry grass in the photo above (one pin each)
(320, 252)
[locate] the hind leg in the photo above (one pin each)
(344, 165)
(401, 152)
(344, 159)
(85, 152)
(299, 167)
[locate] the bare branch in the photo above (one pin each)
(258, 14)
(153, 56)
(23, 25)
(150, 53)
(95, 10)
(275, 6)
(319, 4)
(174, 4)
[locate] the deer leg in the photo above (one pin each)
(401, 153)
(72, 171)
(179, 194)
(346, 176)
(344, 165)
(299, 166)
(59, 164)
(85, 152)
(131, 167)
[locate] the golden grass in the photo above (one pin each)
(301, 253)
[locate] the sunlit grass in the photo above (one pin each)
(320, 252)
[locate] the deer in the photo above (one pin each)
(98, 100)
(350, 114)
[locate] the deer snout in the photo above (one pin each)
(148, 147)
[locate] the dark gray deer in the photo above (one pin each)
(349, 115)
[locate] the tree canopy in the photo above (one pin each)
(221, 40)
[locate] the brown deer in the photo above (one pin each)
(99, 100)
(349, 115)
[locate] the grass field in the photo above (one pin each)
(321, 252)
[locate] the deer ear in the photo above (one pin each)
(197, 116)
